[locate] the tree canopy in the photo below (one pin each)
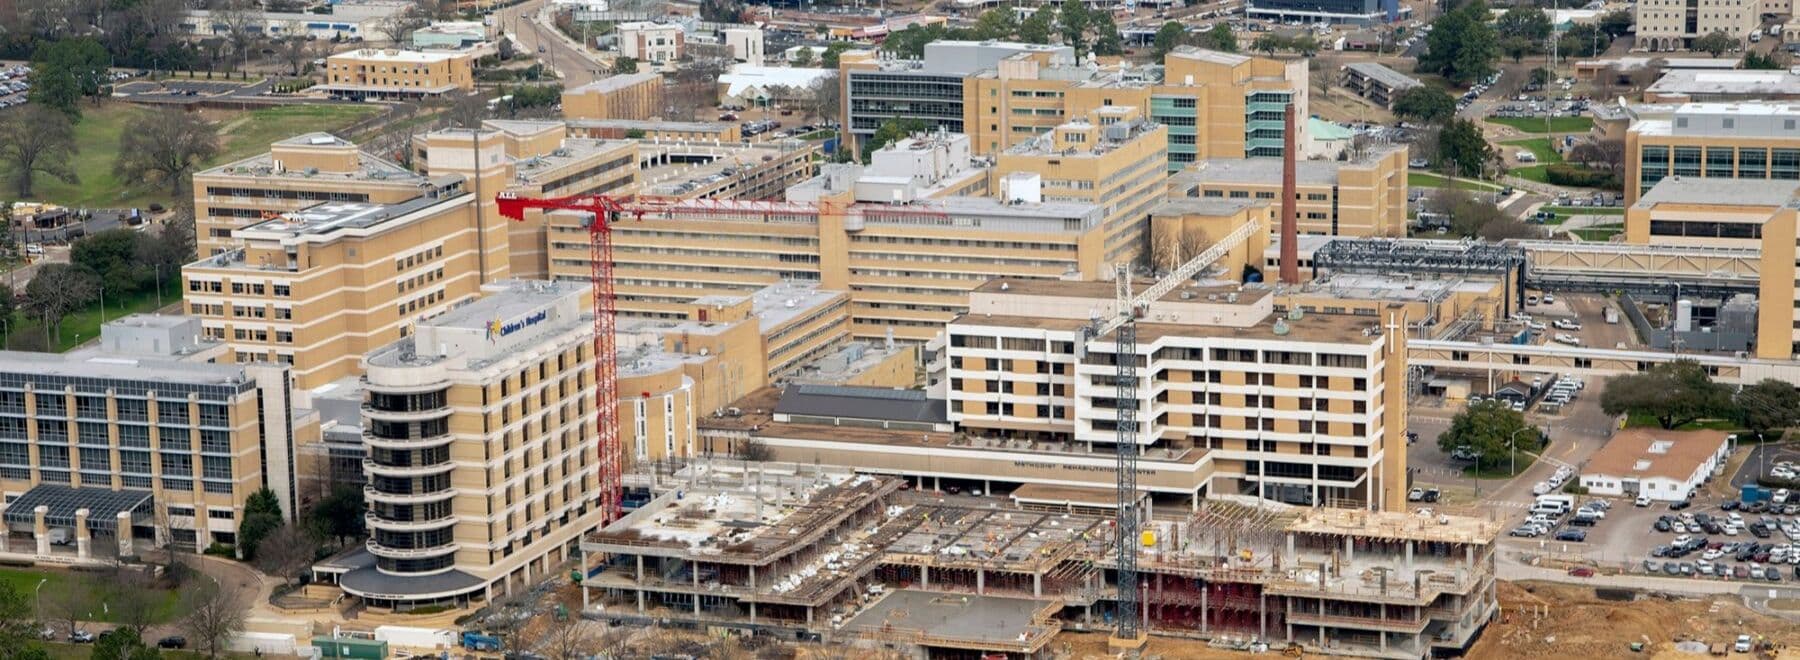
(65, 70)
(1426, 103)
(1462, 46)
(1219, 38)
(1490, 429)
(1716, 43)
(262, 516)
(1170, 35)
(1770, 404)
(1463, 149)
(1673, 393)
(165, 146)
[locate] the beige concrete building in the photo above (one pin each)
(1748, 214)
(318, 288)
(370, 73)
(142, 440)
(1361, 197)
(629, 96)
(1673, 25)
(296, 173)
(652, 43)
(1112, 157)
(1214, 105)
(482, 472)
(1713, 140)
(649, 129)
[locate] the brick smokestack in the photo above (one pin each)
(1290, 249)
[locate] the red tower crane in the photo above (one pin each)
(606, 211)
(609, 210)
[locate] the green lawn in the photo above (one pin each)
(1585, 210)
(1429, 180)
(25, 580)
(1536, 124)
(1647, 421)
(241, 134)
(1539, 173)
(1540, 147)
(66, 651)
(1500, 471)
(1599, 233)
(27, 334)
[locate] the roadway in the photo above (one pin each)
(529, 25)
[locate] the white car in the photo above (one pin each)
(1780, 496)
(1569, 339)
(1679, 527)
(1549, 299)
(1642, 500)
(1536, 326)
(1743, 644)
(1712, 554)
(1566, 324)
(1541, 488)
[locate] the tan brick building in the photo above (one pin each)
(630, 96)
(296, 173)
(1363, 196)
(397, 74)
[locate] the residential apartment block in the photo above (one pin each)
(144, 439)
(370, 73)
(482, 470)
(1363, 196)
(630, 96)
(1673, 25)
(1215, 105)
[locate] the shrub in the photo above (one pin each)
(1564, 174)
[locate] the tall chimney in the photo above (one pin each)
(1290, 249)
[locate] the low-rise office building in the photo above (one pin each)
(652, 43)
(370, 73)
(1377, 83)
(147, 438)
(1665, 466)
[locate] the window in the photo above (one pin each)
(1719, 161)
(1687, 161)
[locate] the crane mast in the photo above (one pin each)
(1128, 627)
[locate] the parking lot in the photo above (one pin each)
(1763, 459)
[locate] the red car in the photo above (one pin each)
(1581, 571)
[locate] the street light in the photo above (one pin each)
(38, 593)
(1512, 449)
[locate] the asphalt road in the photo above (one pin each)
(1761, 459)
(529, 25)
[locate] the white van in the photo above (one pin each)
(1548, 509)
(1564, 502)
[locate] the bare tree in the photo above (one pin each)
(214, 614)
(1172, 245)
(37, 140)
(166, 146)
(238, 17)
(296, 52)
(69, 605)
(1606, 155)
(285, 552)
(400, 25)
(567, 637)
(1649, 72)
(826, 98)
(132, 598)
(466, 111)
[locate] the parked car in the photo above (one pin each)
(172, 642)
(1572, 535)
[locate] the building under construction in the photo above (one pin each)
(814, 552)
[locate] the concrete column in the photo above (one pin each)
(695, 572)
(1203, 608)
(528, 572)
(753, 578)
(122, 530)
(84, 539)
(1409, 552)
(1349, 549)
(809, 616)
(980, 582)
(924, 577)
(752, 612)
(40, 529)
(696, 606)
(1262, 615)
(1469, 555)
(585, 604)
(1290, 544)
(1037, 584)
(640, 595)
(640, 570)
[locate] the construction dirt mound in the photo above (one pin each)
(1545, 620)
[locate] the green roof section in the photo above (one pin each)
(1324, 130)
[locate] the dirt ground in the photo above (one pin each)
(1578, 624)
(1092, 646)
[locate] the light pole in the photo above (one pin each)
(1512, 449)
(38, 594)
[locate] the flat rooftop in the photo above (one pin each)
(862, 403)
(747, 515)
(1395, 525)
(1764, 84)
(1649, 454)
(506, 299)
(331, 217)
(778, 304)
(112, 367)
(692, 166)
(1110, 138)
(571, 151)
(369, 168)
(1267, 171)
(616, 82)
(1206, 206)
(1380, 73)
(955, 618)
(1212, 56)
(1365, 286)
(653, 125)
(1720, 191)
(403, 56)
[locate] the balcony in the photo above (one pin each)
(411, 442)
(372, 467)
(407, 498)
(380, 550)
(375, 521)
(406, 415)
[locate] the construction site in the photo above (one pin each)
(821, 553)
